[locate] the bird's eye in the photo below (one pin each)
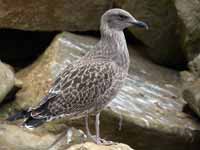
(122, 17)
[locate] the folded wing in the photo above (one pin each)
(76, 90)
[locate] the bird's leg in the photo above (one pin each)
(97, 123)
(98, 139)
(87, 126)
(94, 138)
(89, 135)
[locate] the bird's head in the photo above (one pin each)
(119, 19)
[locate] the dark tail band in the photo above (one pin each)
(30, 122)
(33, 123)
(19, 115)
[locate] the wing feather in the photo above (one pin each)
(78, 88)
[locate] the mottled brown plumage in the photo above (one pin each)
(87, 85)
(84, 87)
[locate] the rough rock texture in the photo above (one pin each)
(162, 37)
(55, 15)
(194, 66)
(191, 85)
(7, 80)
(147, 113)
(174, 25)
(14, 137)
(186, 77)
(91, 146)
(189, 14)
(192, 95)
(17, 138)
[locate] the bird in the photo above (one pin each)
(87, 85)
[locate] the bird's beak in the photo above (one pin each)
(140, 24)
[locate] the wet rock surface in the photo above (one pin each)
(146, 114)
(7, 80)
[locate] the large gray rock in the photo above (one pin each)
(174, 25)
(148, 108)
(162, 38)
(189, 14)
(7, 80)
(171, 33)
(55, 15)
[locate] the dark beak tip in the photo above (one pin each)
(142, 24)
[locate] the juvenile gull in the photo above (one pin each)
(87, 85)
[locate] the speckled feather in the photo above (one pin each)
(83, 87)
(87, 85)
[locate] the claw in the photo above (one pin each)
(100, 141)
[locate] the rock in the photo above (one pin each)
(191, 85)
(188, 12)
(58, 15)
(148, 108)
(173, 35)
(18, 138)
(192, 96)
(194, 66)
(92, 146)
(7, 80)
(187, 78)
(170, 38)
(162, 38)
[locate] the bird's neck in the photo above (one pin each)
(113, 45)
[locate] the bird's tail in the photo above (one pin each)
(19, 115)
(33, 122)
(29, 122)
